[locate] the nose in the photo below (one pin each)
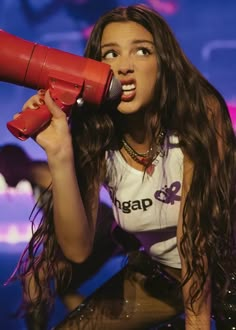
(125, 65)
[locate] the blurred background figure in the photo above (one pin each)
(17, 167)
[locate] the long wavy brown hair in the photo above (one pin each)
(187, 104)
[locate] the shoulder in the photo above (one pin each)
(172, 139)
(173, 146)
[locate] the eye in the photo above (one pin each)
(109, 54)
(143, 51)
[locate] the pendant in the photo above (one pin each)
(150, 169)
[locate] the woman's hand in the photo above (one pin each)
(55, 137)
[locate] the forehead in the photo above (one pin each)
(125, 31)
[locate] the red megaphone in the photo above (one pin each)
(69, 77)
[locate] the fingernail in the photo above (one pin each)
(35, 105)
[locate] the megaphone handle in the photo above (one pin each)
(29, 122)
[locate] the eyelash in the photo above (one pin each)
(146, 50)
(111, 51)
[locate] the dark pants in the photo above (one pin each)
(142, 295)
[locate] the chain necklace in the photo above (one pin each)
(144, 158)
(134, 153)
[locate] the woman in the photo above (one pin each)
(166, 154)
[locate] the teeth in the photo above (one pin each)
(128, 87)
(127, 92)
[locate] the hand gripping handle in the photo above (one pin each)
(31, 121)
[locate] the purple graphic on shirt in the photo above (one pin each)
(169, 195)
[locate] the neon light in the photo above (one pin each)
(216, 45)
(14, 234)
(232, 111)
(16, 205)
(170, 7)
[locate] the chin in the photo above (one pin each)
(127, 108)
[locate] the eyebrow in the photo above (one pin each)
(138, 41)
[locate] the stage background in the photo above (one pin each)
(206, 29)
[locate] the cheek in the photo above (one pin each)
(149, 89)
(150, 81)
(151, 73)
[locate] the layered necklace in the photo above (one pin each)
(145, 158)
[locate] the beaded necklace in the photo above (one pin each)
(144, 158)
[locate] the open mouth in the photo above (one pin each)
(128, 89)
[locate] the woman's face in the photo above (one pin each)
(129, 49)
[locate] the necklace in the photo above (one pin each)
(144, 158)
(130, 150)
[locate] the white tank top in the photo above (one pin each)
(148, 206)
